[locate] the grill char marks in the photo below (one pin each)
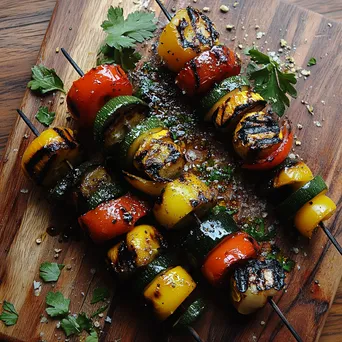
(199, 38)
(262, 275)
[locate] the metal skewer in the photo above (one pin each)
(28, 123)
(331, 237)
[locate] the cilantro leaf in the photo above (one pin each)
(92, 337)
(45, 80)
(50, 271)
(44, 116)
(75, 325)
(9, 314)
(125, 33)
(59, 306)
(286, 263)
(312, 61)
(100, 310)
(270, 81)
(256, 228)
(100, 294)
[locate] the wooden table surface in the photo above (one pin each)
(22, 27)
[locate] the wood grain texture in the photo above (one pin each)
(24, 217)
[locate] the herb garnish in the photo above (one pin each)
(58, 305)
(286, 263)
(122, 36)
(75, 325)
(50, 271)
(9, 314)
(44, 116)
(92, 337)
(100, 294)
(45, 80)
(256, 228)
(312, 61)
(99, 310)
(270, 81)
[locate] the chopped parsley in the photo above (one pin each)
(44, 116)
(57, 304)
(45, 80)
(99, 310)
(312, 61)
(123, 35)
(270, 81)
(50, 271)
(9, 314)
(76, 324)
(286, 263)
(92, 337)
(256, 228)
(99, 295)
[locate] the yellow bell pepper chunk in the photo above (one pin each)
(168, 291)
(320, 208)
(180, 198)
(145, 241)
(297, 175)
(52, 145)
(180, 42)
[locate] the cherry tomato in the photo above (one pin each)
(113, 218)
(208, 68)
(234, 249)
(91, 92)
(277, 156)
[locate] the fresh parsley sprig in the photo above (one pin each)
(270, 81)
(45, 80)
(50, 271)
(100, 294)
(57, 304)
(123, 35)
(44, 116)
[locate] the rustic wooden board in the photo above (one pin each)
(24, 217)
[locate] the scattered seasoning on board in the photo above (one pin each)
(224, 8)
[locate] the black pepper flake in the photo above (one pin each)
(114, 221)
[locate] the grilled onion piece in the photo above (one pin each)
(44, 161)
(253, 283)
(187, 34)
(159, 157)
(256, 136)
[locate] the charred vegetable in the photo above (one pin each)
(256, 136)
(253, 283)
(141, 246)
(45, 159)
(181, 199)
(207, 69)
(91, 92)
(159, 157)
(188, 33)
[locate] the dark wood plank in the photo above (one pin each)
(80, 277)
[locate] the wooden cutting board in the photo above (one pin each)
(25, 216)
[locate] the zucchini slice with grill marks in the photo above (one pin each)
(116, 118)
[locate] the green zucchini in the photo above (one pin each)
(72, 179)
(191, 314)
(118, 115)
(200, 240)
(106, 193)
(289, 207)
(220, 90)
(146, 274)
(147, 124)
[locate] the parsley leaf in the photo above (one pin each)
(256, 228)
(59, 306)
(125, 33)
(9, 315)
(92, 337)
(312, 61)
(122, 36)
(45, 80)
(270, 81)
(50, 271)
(75, 325)
(44, 116)
(100, 294)
(127, 58)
